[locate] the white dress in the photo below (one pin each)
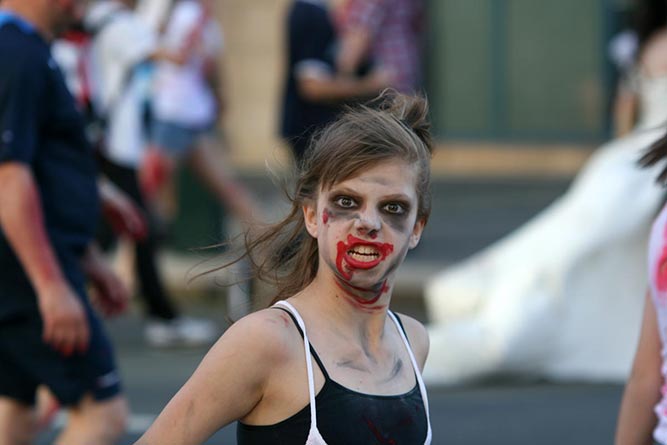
(560, 297)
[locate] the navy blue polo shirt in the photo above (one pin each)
(310, 37)
(41, 128)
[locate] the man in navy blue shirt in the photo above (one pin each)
(49, 208)
(314, 92)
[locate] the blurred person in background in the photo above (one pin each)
(315, 92)
(49, 333)
(625, 51)
(187, 102)
(388, 32)
(122, 51)
(558, 296)
(643, 412)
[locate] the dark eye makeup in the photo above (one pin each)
(344, 201)
(396, 208)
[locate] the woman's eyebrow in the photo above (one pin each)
(342, 190)
(396, 196)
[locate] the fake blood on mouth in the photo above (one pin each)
(383, 249)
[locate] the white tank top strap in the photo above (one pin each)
(314, 436)
(418, 376)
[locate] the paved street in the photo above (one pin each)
(466, 216)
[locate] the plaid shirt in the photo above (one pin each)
(395, 27)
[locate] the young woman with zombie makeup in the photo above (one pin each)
(329, 363)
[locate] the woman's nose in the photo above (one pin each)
(368, 221)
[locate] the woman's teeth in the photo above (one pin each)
(364, 253)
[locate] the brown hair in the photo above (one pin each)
(656, 152)
(392, 126)
(649, 16)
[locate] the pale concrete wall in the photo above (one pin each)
(254, 75)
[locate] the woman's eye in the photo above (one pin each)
(345, 202)
(394, 208)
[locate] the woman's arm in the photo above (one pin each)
(226, 386)
(636, 420)
(355, 44)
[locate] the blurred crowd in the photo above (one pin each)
(149, 78)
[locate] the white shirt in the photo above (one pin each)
(181, 93)
(154, 12)
(122, 44)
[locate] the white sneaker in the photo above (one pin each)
(181, 331)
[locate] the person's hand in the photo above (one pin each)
(122, 213)
(109, 294)
(65, 324)
(166, 55)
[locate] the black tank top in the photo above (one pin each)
(347, 417)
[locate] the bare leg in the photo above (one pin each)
(17, 423)
(156, 177)
(165, 201)
(155, 170)
(93, 422)
(46, 409)
(209, 165)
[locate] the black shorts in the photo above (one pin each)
(26, 362)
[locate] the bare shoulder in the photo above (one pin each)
(230, 381)
(268, 333)
(418, 337)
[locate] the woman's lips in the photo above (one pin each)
(362, 254)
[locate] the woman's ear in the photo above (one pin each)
(310, 218)
(416, 234)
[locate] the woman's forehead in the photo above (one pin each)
(390, 174)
